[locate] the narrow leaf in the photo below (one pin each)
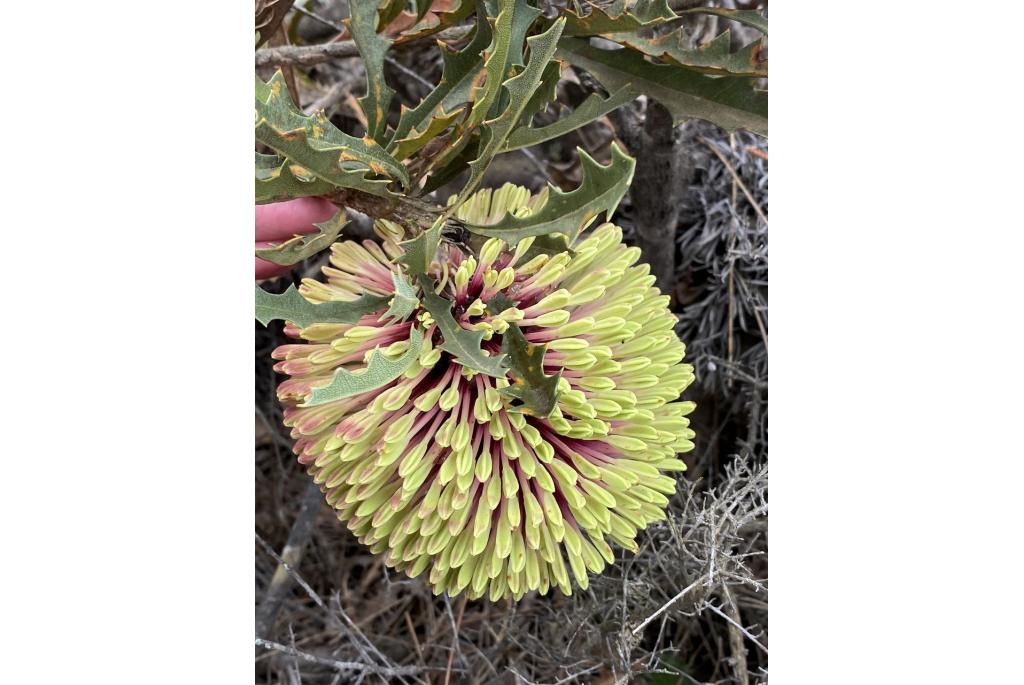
(417, 139)
(713, 58)
(497, 62)
(372, 48)
(752, 18)
(537, 392)
(520, 87)
(594, 107)
(292, 306)
(461, 343)
(277, 179)
(545, 93)
(379, 371)
(615, 19)
(600, 190)
(404, 302)
(731, 102)
(436, 16)
(457, 76)
(316, 144)
(300, 247)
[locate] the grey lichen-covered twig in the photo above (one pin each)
(305, 55)
(391, 672)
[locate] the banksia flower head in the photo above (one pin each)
(492, 482)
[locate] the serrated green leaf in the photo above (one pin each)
(459, 342)
(594, 107)
(417, 139)
(404, 302)
(504, 53)
(519, 88)
(457, 76)
(601, 189)
(615, 19)
(421, 250)
(713, 58)
(277, 179)
(434, 17)
(316, 144)
(537, 392)
(379, 371)
(372, 48)
(294, 250)
(545, 93)
(729, 102)
(292, 306)
(751, 18)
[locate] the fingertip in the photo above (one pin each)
(281, 220)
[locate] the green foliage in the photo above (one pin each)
(714, 58)
(372, 47)
(452, 93)
(519, 88)
(300, 247)
(728, 102)
(278, 179)
(594, 107)
(461, 343)
(536, 392)
(292, 306)
(616, 18)
(379, 371)
(404, 302)
(316, 144)
(496, 80)
(752, 18)
(600, 190)
(421, 250)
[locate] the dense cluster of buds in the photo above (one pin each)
(439, 469)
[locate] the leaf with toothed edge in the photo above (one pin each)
(537, 392)
(379, 371)
(404, 302)
(545, 93)
(519, 88)
(294, 250)
(600, 190)
(715, 57)
(729, 102)
(594, 107)
(421, 250)
(459, 342)
(292, 306)
(316, 144)
(453, 91)
(751, 18)
(600, 21)
(504, 53)
(434, 17)
(277, 179)
(372, 48)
